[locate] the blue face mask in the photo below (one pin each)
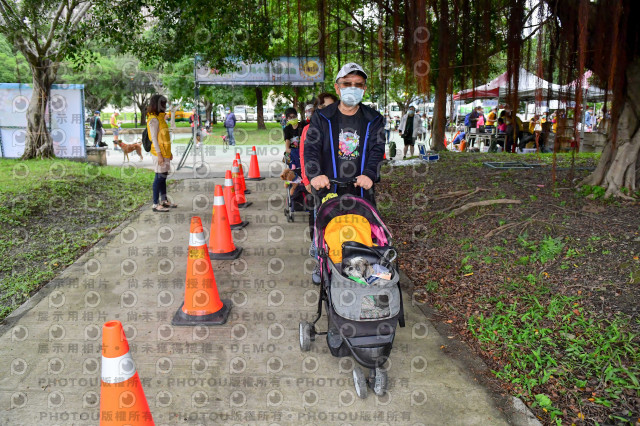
(351, 96)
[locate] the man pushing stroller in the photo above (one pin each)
(346, 140)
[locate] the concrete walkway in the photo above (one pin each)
(249, 371)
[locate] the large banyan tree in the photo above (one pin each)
(601, 36)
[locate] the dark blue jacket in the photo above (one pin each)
(321, 143)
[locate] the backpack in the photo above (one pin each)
(467, 121)
(92, 132)
(392, 149)
(146, 142)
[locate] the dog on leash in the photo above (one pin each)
(130, 147)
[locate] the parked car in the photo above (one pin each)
(240, 113)
(267, 114)
(251, 113)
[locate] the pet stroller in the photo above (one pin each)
(298, 202)
(362, 316)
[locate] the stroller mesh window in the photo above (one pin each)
(375, 307)
(358, 302)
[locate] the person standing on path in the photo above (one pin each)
(410, 128)
(387, 127)
(346, 139)
(229, 124)
(292, 133)
(115, 128)
(96, 124)
(158, 131)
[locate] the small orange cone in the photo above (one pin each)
(237, 185)
(221, 245)
(202, 304)
(231, 202)
(122, 400)
(241, 175)
(254, 169)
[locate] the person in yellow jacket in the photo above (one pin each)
(158, 131)
(492, 117)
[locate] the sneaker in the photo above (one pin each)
(315, 275)
(313, 252)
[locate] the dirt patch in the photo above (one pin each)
(556, 248)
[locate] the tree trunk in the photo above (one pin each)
(38, 143)
(259, 109)
(208, 107)
(143, 114)
(440, 106)
(619, 165)
(174, 108)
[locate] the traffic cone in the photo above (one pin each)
(231, 202)
(202, 304)
(122, 400)
(237, 185)
(241, 175)
(220, 240)
(254, 169)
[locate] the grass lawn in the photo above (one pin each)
(52, 211)
(245, 134)
(546, 291)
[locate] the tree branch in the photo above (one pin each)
(52, 30)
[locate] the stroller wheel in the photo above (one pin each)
(380, 381)
(360, 382)
(305, 336)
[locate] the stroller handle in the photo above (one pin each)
(342, 182)
(339, 182)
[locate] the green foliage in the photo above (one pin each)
(556, 339)
(594, 190)
(103, 81)
(546, 250)
(13, 65)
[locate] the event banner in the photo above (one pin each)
(286, 70)
(64, 118)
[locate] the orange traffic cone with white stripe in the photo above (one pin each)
(237, 185)
(202, 304)
(231, 202)
(241, 175)
(254, 168)
(122, 400)
(221, 245)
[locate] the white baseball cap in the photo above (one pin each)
(351, 68)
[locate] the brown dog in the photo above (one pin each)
(130, 147)
(289, 175)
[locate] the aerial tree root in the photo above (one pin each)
(475, 204)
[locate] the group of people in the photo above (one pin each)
(411, 127)
(536, 135)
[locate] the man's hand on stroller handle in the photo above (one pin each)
(364, 182)
(320, 182)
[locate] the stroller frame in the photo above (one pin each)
(370, 350)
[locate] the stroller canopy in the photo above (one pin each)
(352, 205)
